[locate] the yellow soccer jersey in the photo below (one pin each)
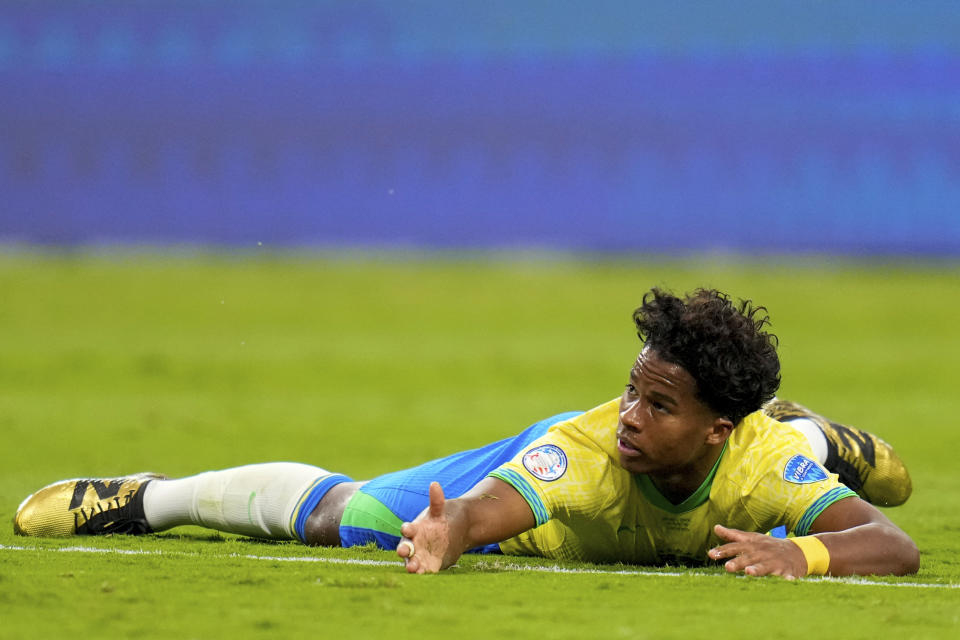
(589, 508)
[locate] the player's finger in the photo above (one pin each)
(730, 535)
(413, 565)
(758, 569)
(740, 558)
(729, 550)
(735, 564)
(408, 530)
(754, 570)
(405, 549)
(437, 500)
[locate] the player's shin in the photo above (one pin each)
(258, 500)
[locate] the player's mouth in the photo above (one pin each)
(627, 449)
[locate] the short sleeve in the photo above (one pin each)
(558, 474)
(794, 491)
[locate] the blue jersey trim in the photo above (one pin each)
(526, 490)
(824, 501)
(311, 498)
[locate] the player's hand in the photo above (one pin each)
(430, 543)
(756, 554)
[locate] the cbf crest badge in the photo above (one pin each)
(803, 470)
(547, 462)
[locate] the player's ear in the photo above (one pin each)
(719, 431)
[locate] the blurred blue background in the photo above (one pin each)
(736, 126)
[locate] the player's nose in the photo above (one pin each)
(631, 416)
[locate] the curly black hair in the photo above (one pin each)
(721, 344)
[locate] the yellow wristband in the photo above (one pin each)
(818, 558)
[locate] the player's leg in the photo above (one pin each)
(864, 462)
(271, 500)
(280, 500)
(322, 525)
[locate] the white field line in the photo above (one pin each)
(852, 580)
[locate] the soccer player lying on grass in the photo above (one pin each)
(694, 463)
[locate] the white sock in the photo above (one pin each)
(255, 500)
(818, 441)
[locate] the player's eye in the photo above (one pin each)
(659, 406)
(632, 390)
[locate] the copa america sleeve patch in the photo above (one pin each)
(547, 462)
(803, 470)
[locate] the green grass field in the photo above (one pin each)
(184, 362)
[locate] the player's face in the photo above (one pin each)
(664, 430)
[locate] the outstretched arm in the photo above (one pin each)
(858, 538)
(490, 512)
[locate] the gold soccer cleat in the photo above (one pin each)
(864, 462)
(86, 507)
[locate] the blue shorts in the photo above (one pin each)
(376, 511)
